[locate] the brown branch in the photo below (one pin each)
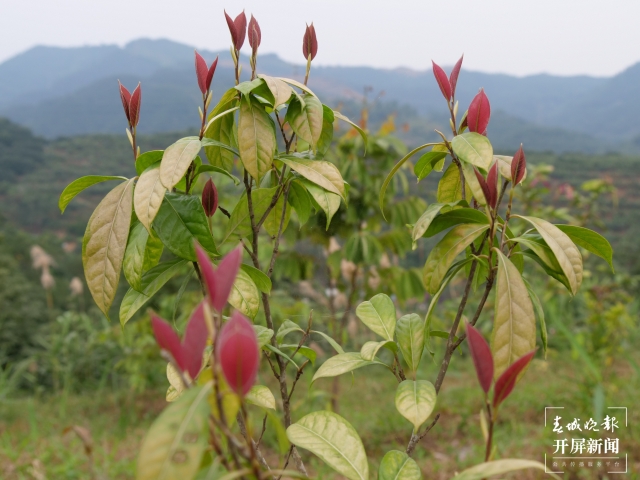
(415, 438)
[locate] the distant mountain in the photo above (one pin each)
(70, 91)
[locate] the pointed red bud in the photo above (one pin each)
(201, 72)
(453, 77)
(238, 29)
(479, 113)
(484, 186)
(195, 341)
(219, 280)
(168, 340)
(482, 358)
(518, 166)
(443, 81)
(238, 354)
(310, 42)
(212, 70)
(125, 96)
(210, 198)
(255, 36)
(506, 382)
(492, 183)
(134, 106)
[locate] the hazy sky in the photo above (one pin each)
(511, 36)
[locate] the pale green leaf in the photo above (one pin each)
(330, 340)
(590, 241)
(256, 139)
(415, 400)
(342, 363)
(370, 349)
(450, 186)
(334, 440)
(240, 222)
(286, 328)
(358, 128)
(305, 118)
(473, 148)
(80, 184)
(245, 296)
(214, 169)
(324, 174)
(264, 335)
(280, 90)
(425, 220)
(410, 333)
(397, 465)
(260, 279)
(104, 244)
(148, 196)
(176, 160)
(500, 467)
(261, 396)
(379, 314)
(142, 253)
(514, 323)
(328, 202)
(300, 201)
(146, 159)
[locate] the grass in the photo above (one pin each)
(33, 445)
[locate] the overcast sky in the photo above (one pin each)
(519, 37)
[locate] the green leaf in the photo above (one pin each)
(398, 465)
(151, 282)
(286, 328)
(305, 117)
(260, 279)
(148, 196)
(342, 363)
(328, 202)
(425, 220)
(78, 185)
(176, 160)
(175, 443)
(146, 159)
(280, 90)
(261, 396)
(472, 183)
(274, 217)
(324, 174)
(450, 186)
(249, 86)
(330, 340)
(277, 351)
(362, 133)
(256, 139)
(222, 130)
(180, 222)
(590, 241)
(214, 169)
(379, 314)
(500, 467)
(445, 252)
(295, 83)
(142, 253)
(563, 248)
(370, 349)
(410, 332)
(541, 249)
(415, 400)
(300, 201)
(394, 170)
(537, 307)
(210, 142)
(245, 296)
(473, 148)
(556, 274)
(307, 352)
(334, 440)
(264, 335)
(326, 137)
(514, 323)
(104, 244)
(455, 217)
(240, 222)
(426, 163)
(504, 166)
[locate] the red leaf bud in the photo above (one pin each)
(238, 354)
(492, 183)
(479, 113)
(506, 382)
(484, 186)
(310, 42)
(134, 106)
(195, 341)
(168, 340)
(453, 77)
(125, 96)
(201, 73)
(482, 358)
(212, 70)
(518, 166)
(443, 81)
(219, 280)
(210, 198)
(255, 36)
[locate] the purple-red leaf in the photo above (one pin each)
(506, 382)
(453, 78)
(168, 340)
(479, 113)
(125, 96)
(443, 81)
(237, 28)
(210, 198)
(201, 72)
(238, 354)
(195, 341)
(212, 70)
(484, 186)
(134, 106)
(310, 42)
(255, 36)
(492, 184)
(482, 359)
(219, 281)
(518, 166)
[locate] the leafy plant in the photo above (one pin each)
(270, 136)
